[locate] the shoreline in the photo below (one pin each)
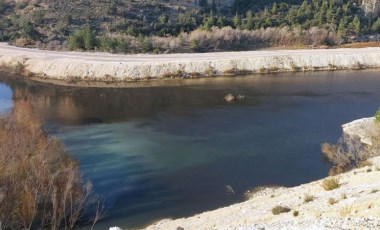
(144, 69)
(354, 204)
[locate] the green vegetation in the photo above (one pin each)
(280, 209)
(82, 39)
(295, 213)
(157, 26)
(377, 115)
(330, 184)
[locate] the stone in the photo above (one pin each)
(229, 98)
(240, 97)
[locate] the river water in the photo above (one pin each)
(169, 152)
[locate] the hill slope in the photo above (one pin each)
(50, 23)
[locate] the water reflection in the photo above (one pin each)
(169, 151)
(5, 98)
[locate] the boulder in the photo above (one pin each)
(229, 98)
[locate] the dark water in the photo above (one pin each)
(170, 151)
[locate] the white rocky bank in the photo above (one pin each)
(357, 202)
(103, 66)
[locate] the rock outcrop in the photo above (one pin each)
(367, 130)
(371, 7)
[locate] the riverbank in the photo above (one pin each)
(79, 66)
(355, 204)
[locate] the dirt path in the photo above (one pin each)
(92, 66)
(133, 58)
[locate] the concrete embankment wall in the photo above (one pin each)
(108, 67)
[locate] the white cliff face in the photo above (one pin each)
(371, 7)
(103, 66)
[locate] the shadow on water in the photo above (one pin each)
(170, 151)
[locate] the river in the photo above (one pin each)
(168, 152)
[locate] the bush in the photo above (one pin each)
(347, 152)
(82, 39)
(41, 186)
(308, 198)
(332, 201)
(365, 163)
(295, 213)
(280, 209)
(330, 184)
(377, 115)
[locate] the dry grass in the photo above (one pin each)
(280, 209)
(41, 186)
(360, 45)
(330, 184)
(365, 163)
(332, 201)
(308, 198)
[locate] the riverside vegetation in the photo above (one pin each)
(41, 187)
(158, 26)
(350, 151)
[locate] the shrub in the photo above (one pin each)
(41, 186)
(365, 163)
(280, 209)
(295, 213)
(82, 39)
(377, 115)
(347, 152)
(308, 198)
(330, 184)
(332, 201)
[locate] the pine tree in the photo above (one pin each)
(237, 20)
(250, 21)
(274, 8)
(355, 25)
(89, 39)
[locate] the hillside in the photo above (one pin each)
(131, 26)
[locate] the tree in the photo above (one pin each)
(89, 39)
(82, 39)
(274, 8)
(163, 19)
(342, 28)
(237, 20)
(29, 32)
(377, 115)
(355, 25)
(376, 26)
(250, 24)
(75, 40)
